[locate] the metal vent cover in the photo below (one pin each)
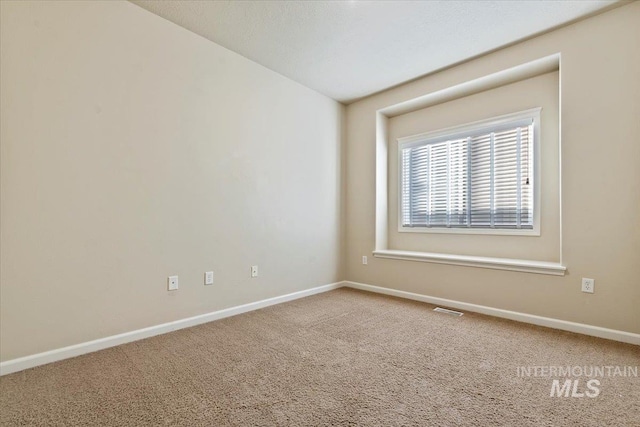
(447, 311)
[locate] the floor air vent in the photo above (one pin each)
(447, 311)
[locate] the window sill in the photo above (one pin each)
(527, 266)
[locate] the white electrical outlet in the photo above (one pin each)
(364, 260)
(208, 278)
(254, 271)
(172, 283)
(588, 285)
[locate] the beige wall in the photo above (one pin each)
(540, 91)
(132, 150)
(600, 191)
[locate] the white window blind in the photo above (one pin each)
(478, 178)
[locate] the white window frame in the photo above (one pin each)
(463, 130)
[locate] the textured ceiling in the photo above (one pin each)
(351, 49)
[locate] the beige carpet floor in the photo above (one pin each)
(341, 358)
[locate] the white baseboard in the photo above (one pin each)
(34, 360)
(39, 359)
(580, 328)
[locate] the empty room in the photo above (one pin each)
(320, 213)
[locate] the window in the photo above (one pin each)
(473, 177)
